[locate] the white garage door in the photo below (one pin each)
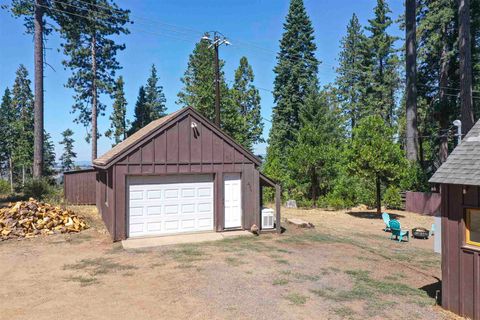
(169, 204)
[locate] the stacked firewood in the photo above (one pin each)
(25, 219)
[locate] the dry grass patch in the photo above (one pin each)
(296, 298)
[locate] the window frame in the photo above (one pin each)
(467, 226)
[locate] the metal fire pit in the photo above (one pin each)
(420, 233)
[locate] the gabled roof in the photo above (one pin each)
(136, 139)
(463, 164)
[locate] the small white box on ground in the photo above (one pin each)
(268, 218)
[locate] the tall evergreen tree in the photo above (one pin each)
(8, 117)
(22, 102)
(313, 159)
(385, 64)
(199, 89)
(142, 113)
(353, 81)
(48, 157)
(295, 74)
(155, 98)
(68, 156)
(36, 25)
(87, 29)
(437, 65)
(247, 98)
(118, 126)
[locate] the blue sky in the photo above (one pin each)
(165, 33)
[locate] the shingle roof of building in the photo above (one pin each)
(463, 164)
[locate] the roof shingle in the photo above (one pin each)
(463, 164)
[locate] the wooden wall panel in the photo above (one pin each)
(135, 157)
(148, 155)
(161, 148)
(172, 144)
(219, 202)
(460, 263)
(196, 142)
(228, 153)
(466, 284)
(184, 140)
(217, 149)
(80, 187)
(207, 145)
(121, 200)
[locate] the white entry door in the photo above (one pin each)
(233, 200)
(159, 205)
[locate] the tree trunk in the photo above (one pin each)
(38, 103)
(10, 173)
(379, 195)
(465, 56)
(443, 102)
(94, 98)
(411, 73)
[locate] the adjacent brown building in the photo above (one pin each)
(459, 177)
(179, 174)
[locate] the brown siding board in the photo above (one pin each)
(466, 283)
(228, 153)
(172, 144)
(183, 140)
(80, 187)
(217, 149)
(161, 148)
(196, 142)
(207, 145)
(148, 153)
(219, 201)
(121, 199)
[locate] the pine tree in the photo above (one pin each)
(199, 83)
(87, 29)
(8, 117)
(373, 154)
(49, 158)
(68, 156)
(36, 25)
(118, 126)
(247, 98)
(353, 81)
(312, 162)
(142, 113)
(295, 74)
(155, 98)
(385, 64)
(22, 102)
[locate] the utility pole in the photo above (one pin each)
(215, 42)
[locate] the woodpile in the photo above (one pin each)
(26, 219)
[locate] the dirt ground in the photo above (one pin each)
(345, 268)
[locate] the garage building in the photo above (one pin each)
(180, 174)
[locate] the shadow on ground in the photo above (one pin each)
(432, 289)
(372, 215)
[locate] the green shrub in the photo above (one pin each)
(4, 187)
(392, 198)
(38, 189)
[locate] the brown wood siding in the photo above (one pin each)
(460, 262)
(178, 149)
(80, 186)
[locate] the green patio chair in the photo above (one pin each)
(386, 219)
(397, 231)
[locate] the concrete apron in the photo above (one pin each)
(181, 238)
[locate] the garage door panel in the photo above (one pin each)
(168, 204)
